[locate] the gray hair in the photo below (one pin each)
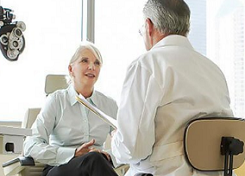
(86, 45)
(168, 16)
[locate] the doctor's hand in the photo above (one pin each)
(85, 148)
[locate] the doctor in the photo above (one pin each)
(165, 88)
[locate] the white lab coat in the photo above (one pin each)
(164, 89)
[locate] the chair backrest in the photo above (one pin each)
(55, 82)
(202, 142)
(30, 117)
(52, 83)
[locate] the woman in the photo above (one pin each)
(66, 136)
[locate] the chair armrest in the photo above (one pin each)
(16, 165)
(23, 161)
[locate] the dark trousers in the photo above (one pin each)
(90, 164)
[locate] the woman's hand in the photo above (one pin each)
(85, 148)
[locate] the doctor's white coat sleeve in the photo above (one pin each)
(135, 136)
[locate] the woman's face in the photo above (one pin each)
(86, 69)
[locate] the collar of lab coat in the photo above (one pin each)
(174, 40)
(72, 95)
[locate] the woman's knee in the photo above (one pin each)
(95, 156)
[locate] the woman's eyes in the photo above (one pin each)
(97, 63)
(85, 60)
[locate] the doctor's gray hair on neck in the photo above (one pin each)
(168, 16)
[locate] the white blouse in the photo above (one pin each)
(64, 124)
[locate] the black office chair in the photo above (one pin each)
(215, 144)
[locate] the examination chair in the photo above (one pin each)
(215, 144)
(26, 166)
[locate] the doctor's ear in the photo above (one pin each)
(149, 26)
